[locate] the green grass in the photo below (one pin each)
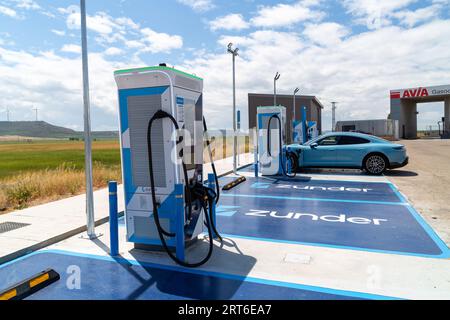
(38, 155)
(16, 158)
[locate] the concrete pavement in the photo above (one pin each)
(55, 221)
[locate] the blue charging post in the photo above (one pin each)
(289, 165)
(255, 154)
(113, 219)
(179, 221)
(212, 185)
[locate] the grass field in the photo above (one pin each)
(38, 171)
(16, 158)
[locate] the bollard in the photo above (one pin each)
(179, 222)
(113, 219)
(212, 185)
(255, 153)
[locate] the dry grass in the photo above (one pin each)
(32, 188)
(32, 174)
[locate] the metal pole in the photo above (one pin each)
(293, 118)
(274, 92)
(333, 116)
(295, 92)
(277, 76)
(238, 127)
(293, 106)
(234, 53)
(234, 117)
(87, 127)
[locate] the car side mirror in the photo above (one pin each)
(314, 145)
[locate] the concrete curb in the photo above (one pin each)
(51, 241)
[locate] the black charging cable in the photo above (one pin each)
(204, 194)
(289, 155)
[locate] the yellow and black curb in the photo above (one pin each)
(29, 286)
(234, 183)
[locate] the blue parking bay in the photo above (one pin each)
(317, 189)
(351, 215)
(94, 277)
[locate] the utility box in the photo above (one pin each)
(270, 164)
(143, 92)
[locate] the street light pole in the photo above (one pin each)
(295, 92)
(234, 54)
(90, 223)
(277, 76)
(333, 116)
(293, 118)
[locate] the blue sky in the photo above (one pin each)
(350, 51)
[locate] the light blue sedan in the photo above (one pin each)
(351, 150)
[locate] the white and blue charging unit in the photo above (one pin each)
(304, 130)
(142, 92)
(269, 163)
(299, 132)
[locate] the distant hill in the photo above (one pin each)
(42, 129)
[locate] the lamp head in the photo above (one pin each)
(230, 45)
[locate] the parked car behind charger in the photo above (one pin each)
(351, 150)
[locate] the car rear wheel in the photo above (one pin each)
(375, 164)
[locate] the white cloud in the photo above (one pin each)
(8, 12)
(358, 71)
(198, 5)
(71, 48)
(232, 21)
(101, 22)
(412, 17)
(58, 32)
(113, 51)
(160, 42)
(69, 9)
(326, 34)
(54, 84)
(282, 15)
(127, 22)
(27, 4)
(379, 13)
(134, 44)
(123, 30)
(375, 13)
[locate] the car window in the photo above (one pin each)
(345, 140)
(329, 141)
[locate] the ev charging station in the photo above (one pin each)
(304, 130)
(269, 148)
(312, 131)
(163, 169)
(299, 133)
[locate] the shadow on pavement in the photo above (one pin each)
(400, 173)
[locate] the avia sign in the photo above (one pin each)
(421, 92)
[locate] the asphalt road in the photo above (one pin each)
(426, 182)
